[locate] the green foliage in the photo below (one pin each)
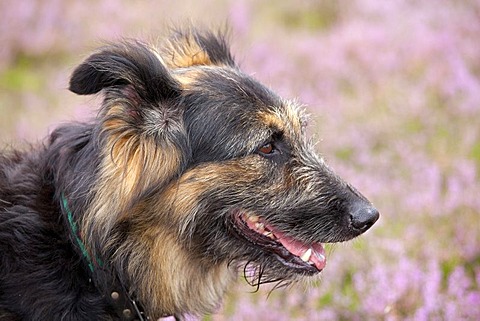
(22, 76)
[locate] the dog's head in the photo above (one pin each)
(204, 164)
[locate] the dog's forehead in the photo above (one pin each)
(240, 97)
(288, 118)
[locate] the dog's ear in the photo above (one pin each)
(128, 63)
(144, 141)
(190, 47)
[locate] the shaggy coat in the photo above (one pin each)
(191, 171)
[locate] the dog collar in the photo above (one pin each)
(126, 308)
(124, 305)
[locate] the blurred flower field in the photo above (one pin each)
(393, 89)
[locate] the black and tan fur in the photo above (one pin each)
(183, 144)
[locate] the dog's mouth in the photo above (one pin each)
(292, 253)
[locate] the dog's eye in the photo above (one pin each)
(266, 149)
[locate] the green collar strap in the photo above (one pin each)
(76, 235)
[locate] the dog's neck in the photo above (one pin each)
(152, 284)
(114, 291)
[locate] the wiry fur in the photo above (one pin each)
(156, 184)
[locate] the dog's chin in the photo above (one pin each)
(292, 256)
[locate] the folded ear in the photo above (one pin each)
(128, 63)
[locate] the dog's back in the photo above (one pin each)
(40, 270)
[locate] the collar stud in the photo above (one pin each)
(115, 295)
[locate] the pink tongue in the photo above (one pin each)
(298, 248)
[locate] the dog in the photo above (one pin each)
(191, 172)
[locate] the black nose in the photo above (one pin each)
(363, 216)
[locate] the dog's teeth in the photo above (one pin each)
(306, 256)
(269, 234)
(253, 218)
(260, 226)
